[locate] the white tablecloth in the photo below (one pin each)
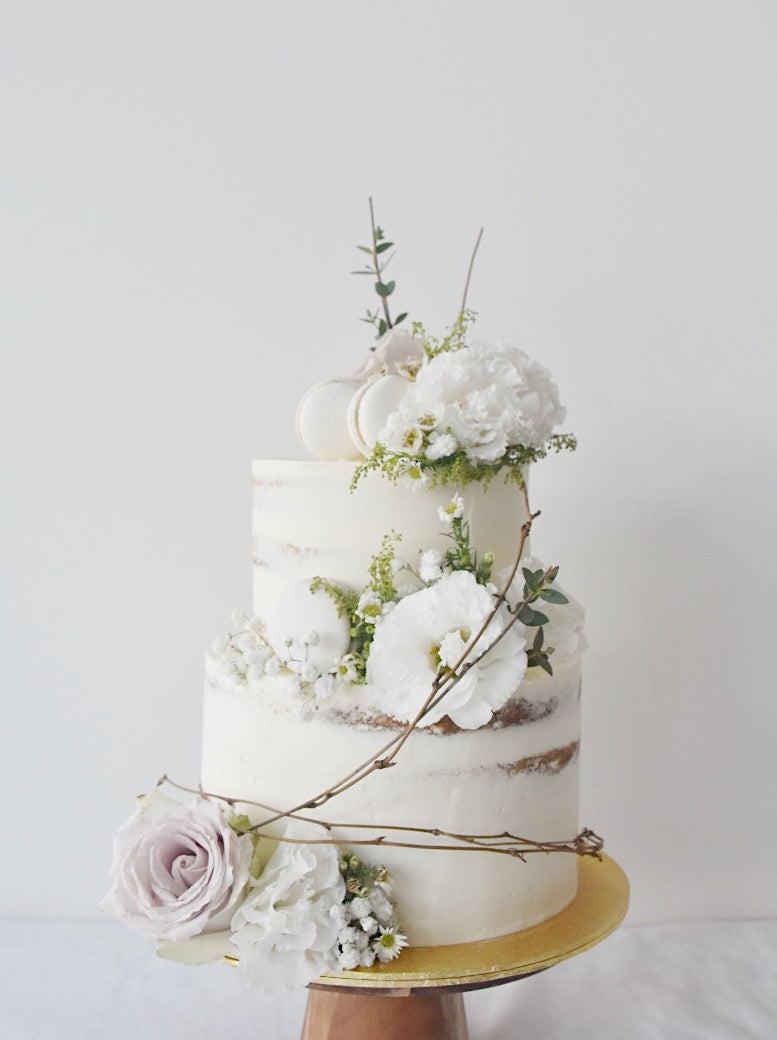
(79, 980)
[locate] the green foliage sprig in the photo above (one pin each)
(363, 609)
(462, 557)
(454, 339)
(360, 877)
(378, 252)
(538, 586)
(345, 599)
(381, 569)
(458, 469)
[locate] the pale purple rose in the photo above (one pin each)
(178, 870)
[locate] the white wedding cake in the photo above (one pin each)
(391, 738)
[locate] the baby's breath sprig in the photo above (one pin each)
(379, 261)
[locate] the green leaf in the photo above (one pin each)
(240, 823)
(553, 596)
(382, 327)
(365, 249)
(383, 247)
(533, 579)
(531, 617)
(385, 289)
(400, 318)
(539, 639)
(538, 659)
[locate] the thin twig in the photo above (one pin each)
(376, 262)
(469, 272)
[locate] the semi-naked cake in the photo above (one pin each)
(518, 773)
(391, 738)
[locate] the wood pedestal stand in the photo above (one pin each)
(400, 1016)
(420, 997)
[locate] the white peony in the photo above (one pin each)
(178, 870)
(486, 397)
(286, 929)
(431, 628)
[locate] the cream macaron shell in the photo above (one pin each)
(370, 408)
(322, 420)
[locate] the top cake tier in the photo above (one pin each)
(307, 522)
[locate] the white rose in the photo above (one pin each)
(178, 870)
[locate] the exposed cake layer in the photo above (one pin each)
(308, 522)
(520, 778)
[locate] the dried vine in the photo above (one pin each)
(586, 843)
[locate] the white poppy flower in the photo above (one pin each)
(422, 634)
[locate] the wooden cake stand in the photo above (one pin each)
(421, 997)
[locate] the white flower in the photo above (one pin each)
(389, 944)
(396, 352)
(308, 672)
(441, 445)
(286, 929)
(424, 633)
(380, 904)
(349, 958)
(244, 654)
(430, 565)
(293, 686)
(368, 925)
(324, 686)
(452, 510)
(178, 870)
(401, 436)
(369, 605)
(358, 907)
(487, 397)
(273, 665)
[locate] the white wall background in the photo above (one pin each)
(182, 186)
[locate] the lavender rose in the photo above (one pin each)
(178, 870)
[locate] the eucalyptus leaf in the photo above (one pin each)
(532, 617)
(553, 596)
(383, 247)
(385, 289)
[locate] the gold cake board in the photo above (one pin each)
(362, 1004)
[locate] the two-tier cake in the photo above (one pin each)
(391, 738)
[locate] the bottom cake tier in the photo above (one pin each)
(516, 776)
